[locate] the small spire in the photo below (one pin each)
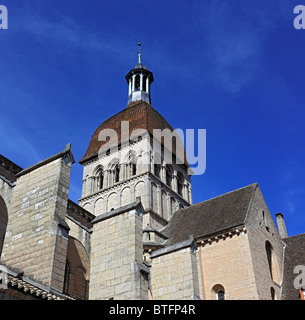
(139, 79)
(140, 50)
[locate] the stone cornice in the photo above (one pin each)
(221, 236)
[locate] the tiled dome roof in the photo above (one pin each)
(139, 114)
(140, 66)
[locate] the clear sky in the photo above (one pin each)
(232, 67)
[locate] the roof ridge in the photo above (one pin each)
(224, 194)
(294, 236)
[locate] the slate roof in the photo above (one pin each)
(210, 217)
(294, 256)
(140, 115)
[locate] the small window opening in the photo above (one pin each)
(117, 173)
(101, 181)
(144, 84)
(134, 169)
(157, 170)
(137, 82)
(220, 295)
(168, 178)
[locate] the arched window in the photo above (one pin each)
(218, 292)
(179, 183)
(101, 180)
(269, 256)
(157, 170)
(272, 291)
(168, 175)
(117, 173)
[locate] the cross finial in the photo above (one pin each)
(140, 50)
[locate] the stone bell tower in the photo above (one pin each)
(133, 190)
(132, 168)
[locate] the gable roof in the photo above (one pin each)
(212, 216)
(294, 256)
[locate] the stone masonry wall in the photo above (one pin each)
(227, 262)
(174, 276)
(36, 240)
(261, 228)
(116, 254)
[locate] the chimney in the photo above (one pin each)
(281, 225)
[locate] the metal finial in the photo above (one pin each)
(140, 50)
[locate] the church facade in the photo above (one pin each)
(135, 233)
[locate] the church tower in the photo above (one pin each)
(133, 168)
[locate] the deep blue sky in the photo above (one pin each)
(232, 67)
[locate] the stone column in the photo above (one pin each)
(88, 186)
(84, 188)
(152, 165)
(124, 168)
(106, 177)
(160, 208)
(185, 192)
(133, 82)
(175, 183)
(163, 174)
(145, 163)
(129, 86)
(148, 188)
(190, 194)
(91, 184)
(147, 84)
(110, 178)
(141, 81)
(121, 176)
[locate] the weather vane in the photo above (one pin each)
(140, 50)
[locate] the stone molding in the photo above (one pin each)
(225, 234)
